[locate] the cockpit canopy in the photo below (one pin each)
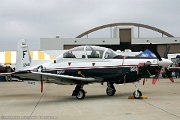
(89, 52)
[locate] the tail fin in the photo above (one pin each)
(23, 58)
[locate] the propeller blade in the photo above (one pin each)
(171, 79)
(155, 52)
(168, 74)
(154, 81)
(167, 51)
(144, 81)
(156, 76)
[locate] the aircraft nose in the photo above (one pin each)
(165, 62)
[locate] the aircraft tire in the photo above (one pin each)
(110, 91)
(81, 94)
(139, 94)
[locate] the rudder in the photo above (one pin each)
(23, 58)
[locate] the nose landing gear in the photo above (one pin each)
(137, 93)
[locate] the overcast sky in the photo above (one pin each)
(35, 19)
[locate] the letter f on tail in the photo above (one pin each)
(23, 58)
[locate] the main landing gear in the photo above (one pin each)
(79, 92)
(110, 89)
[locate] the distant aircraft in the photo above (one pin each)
(176, 67)
(84, 65)
(8, 59)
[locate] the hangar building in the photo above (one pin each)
(122, 36)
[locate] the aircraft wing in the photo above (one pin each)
(54, 78)
(5, 74)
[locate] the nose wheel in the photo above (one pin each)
(137, 93)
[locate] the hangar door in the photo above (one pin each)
(125, 35)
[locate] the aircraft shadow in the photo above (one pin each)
(20, 95)
(59, 99)
(88, 98)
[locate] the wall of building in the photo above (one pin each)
(61, 43)
(161, 40)
(123, 38)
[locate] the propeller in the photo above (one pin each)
(167, 74)
(158, 70)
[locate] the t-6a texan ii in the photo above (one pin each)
(85, 65)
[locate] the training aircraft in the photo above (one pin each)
(84, 65)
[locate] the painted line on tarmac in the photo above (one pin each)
(39, 101)
(161, 109)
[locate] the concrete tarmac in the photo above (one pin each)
(25, 102)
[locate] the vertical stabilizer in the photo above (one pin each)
(23, 59)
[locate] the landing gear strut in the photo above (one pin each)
(137, 93)
(79, 92)
(110, 89)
